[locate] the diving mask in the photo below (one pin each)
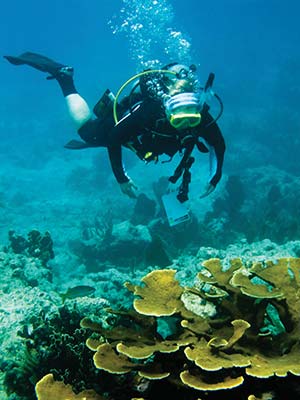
(183, 110)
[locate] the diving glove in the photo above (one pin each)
(129, 188)
(208, 190)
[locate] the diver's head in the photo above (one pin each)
(181, 79)
(176, 87)
(181, 101)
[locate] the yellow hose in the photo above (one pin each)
(151, 71)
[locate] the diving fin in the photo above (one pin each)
(41, 63)
(77, 145)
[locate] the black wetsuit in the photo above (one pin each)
(146, 130)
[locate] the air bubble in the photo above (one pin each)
(153, 41)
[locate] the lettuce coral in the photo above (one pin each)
(49, 389)
(223, 351)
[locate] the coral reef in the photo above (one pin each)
(119, 244)
(55, 344)
(122, 243)
(49, 389)
(238, 347)
(36, 245)
(37, 332)
(41, 337)
(261, 203)
(144, 210)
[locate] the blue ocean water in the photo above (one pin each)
(251, 47)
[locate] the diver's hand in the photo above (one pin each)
(208, 190)
(129, 188)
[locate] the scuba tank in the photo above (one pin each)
(105, 105)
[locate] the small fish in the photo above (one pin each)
(77, 291)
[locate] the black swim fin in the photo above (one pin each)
(41, 63)
(77, 145)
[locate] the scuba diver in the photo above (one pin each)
(166, 112)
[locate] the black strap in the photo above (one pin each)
(181, 166)
(186, 180)
(183, 169)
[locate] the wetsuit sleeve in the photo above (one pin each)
(214, 138)
(129, 126)
(105, 133)
(115, 157)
